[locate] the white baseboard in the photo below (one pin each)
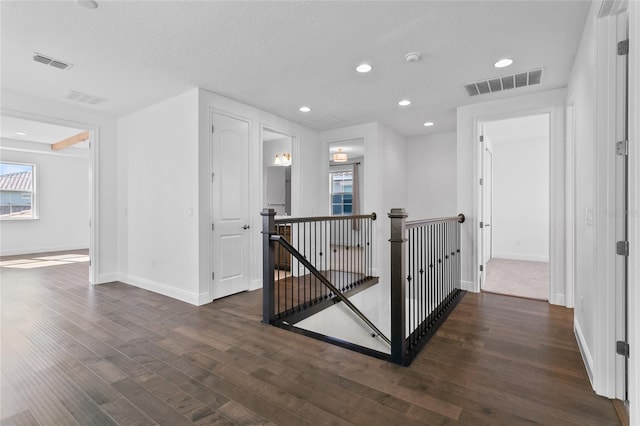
(166, 290)
(558, 299)
(38, 250)
(584, 350)
(107, 278)
(255, 284)
(518, 256)
(468, 286)
(204, 298)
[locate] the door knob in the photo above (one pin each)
(246, 227)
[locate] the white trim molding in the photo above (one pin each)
(634, 211)
(469, 119)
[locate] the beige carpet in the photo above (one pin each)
(518, 278)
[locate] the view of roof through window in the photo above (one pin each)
(16, 191)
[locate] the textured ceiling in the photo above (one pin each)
(280, 55)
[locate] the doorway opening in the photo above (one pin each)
(277, 161)
(515, 195)
(47, 194)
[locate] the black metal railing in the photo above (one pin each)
(425, 279)
(311, 263)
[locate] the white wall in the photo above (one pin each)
(469, 118)
(582, 95)
(164, 183)
(520, 222)
(105, 261)
(591, 90)
(161, 146)
(431, 176)
(62, 196)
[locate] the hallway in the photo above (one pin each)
(116, 354)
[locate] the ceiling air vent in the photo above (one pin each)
(85, 98)
(328, 120)
(498, 84)
(56, 63)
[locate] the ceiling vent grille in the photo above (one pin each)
(46, 60)
(328, 120)
(85, 98)
(498, 84)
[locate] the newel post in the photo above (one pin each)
(398, 288)
(268, 265)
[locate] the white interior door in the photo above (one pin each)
(487, 188)
(486, 205)
(229, 206)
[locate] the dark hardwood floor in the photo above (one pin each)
(114, 354)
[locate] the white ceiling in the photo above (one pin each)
(279, 55)
(36, 131)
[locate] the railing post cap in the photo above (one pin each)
(268, 212)
(397, 213)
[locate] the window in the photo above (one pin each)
(341, 193)
(17, 191)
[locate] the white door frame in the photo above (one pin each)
(634, 208)
(558, 291)
(295, 165)
(210, 250)
(94, 185)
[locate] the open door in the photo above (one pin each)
(486, 204)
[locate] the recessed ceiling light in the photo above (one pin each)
(404, 102)
(428, 124)
(364, 68)
(503, 63)
(89, 4)
(305, 109)
(21, 134)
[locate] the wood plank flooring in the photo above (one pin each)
(115, 354)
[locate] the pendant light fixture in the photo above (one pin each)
(340, 157)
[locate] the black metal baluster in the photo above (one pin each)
(342, 254)
(423, 304)
(434, 267)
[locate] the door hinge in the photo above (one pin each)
(213, 275)
(481, 268)
(481, 181)
(622, 348)
(481, 138)
(213, 177)
(481, 225)
(212, 226)
(213, 128)
(622, 248)
(623, 47)
(622, 147)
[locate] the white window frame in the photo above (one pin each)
(34, 193)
